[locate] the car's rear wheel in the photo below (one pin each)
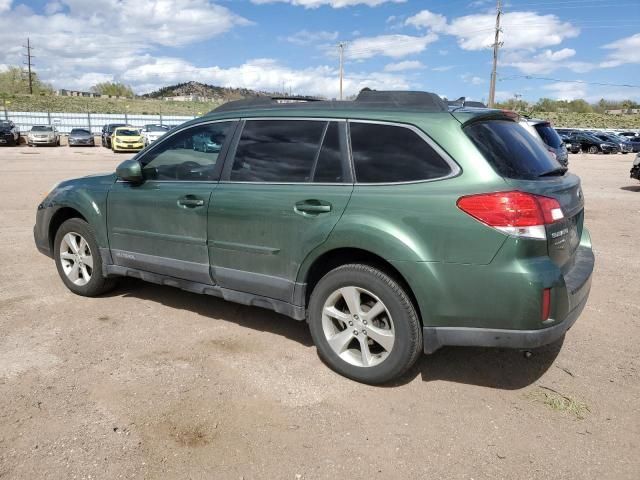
(364, 324)
(593, 149)
(78, 259)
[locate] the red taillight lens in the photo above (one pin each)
(546, 304)
(513, 212)
(511, 209)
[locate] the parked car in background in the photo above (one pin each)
(635, 169)
(573, 146)
(107, 131)
(81, 137)
(390, 224)
(629, 134)
(543, 131)
(623, 142)
(635, 143)
(43, 135)
(126, 139)
(151, 133)
(9, 133)
(206, 142)
(591, 144)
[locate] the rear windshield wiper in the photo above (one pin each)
(555, 171)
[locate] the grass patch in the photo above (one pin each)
(560, 402)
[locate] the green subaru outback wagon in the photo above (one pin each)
(393, 224)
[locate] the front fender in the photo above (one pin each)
(88, 196)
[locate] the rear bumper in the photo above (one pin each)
(574, 293)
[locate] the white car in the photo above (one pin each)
(151, 133)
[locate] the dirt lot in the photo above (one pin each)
(153, 382)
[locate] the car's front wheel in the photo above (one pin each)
(78, 259)
(364, 324)
(593, 149)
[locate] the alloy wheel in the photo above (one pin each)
(76, 258)
(358, 326)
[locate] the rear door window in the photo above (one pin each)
(510, 149)
(390, 153)
(278, 151)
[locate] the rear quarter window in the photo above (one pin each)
(510, 149)
(548, 135)
(390, 154)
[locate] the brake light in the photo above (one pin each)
(514, 213)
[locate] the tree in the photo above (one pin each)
(14, 80)
(113, 89)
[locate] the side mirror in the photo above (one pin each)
(130, 171)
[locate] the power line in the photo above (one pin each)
(29, 64)
(496, 46)
(549, 79)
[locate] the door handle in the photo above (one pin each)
(312, 207)
(190, 202)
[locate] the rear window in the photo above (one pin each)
(510, 149)
(548, 135)
(277, 151)
(390, 153)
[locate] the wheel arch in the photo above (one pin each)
(328, 260)
(59, 217)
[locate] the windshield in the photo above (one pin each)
(80, 131)
(127, 132)
(548, 135)
(41, 128)
(511, 150)
(156, 128)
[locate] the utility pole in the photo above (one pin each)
(496, 45)
(341, 46)
(29, 64)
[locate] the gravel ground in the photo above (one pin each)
(153, 382)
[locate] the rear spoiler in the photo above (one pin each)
(468, 117)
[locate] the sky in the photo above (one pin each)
(291, 45)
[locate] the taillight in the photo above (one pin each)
(514, 213)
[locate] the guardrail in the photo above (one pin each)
(64, 122)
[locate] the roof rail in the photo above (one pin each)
(394, 98)
(366, 99)
(261, 101)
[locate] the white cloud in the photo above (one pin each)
(443, 68)
(476, 32)
(305, 37)
(566, 90)
(53, 7)
(5, 5)
(405, 65)
(545, 61)
(331, 3)
(394, 46)
(260, 74)
(472, 79)
(623, 51)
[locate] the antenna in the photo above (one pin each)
(496, 45)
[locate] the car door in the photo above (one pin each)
(284, 187)
(160, 225)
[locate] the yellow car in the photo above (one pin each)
(127, 139)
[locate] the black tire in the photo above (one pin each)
(407, 345)
(98, 284)
(593, 149)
